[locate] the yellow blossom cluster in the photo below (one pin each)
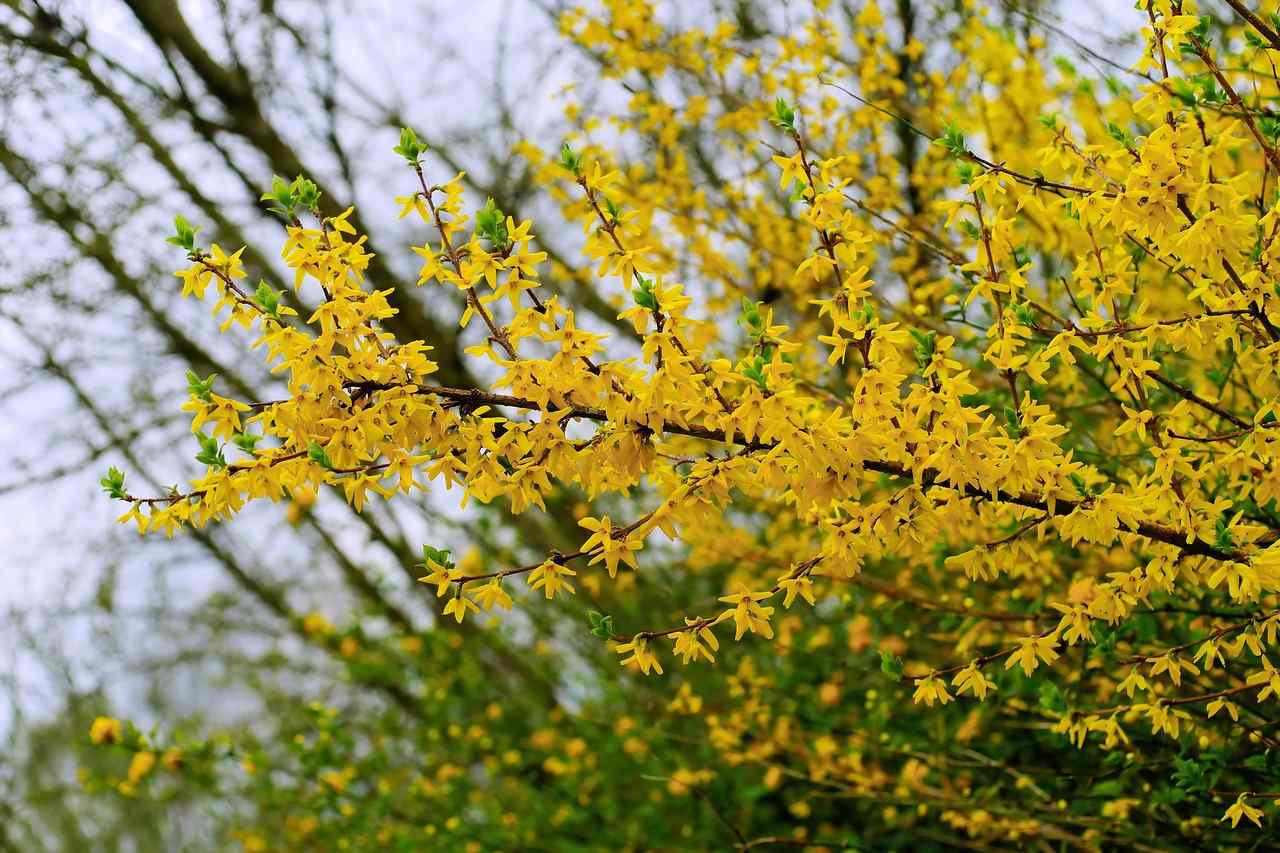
(1011, 358)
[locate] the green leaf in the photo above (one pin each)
(491, 224)
(891, 664)
(1184, 92)
(783, 115)
(1011, 422)
(210, 451)
(613, 209)
(201, 389)
(752, 317)
(601, 624)
(1209, 91)
(113, 483)
(952, 139)
(439, 556)
(570, 161)
(1023, 313)
(1119, 134)
(184, 234)
(1189, 774)
(267, 298)
(925, 343)
(305, 193)
(1051, 699)
(644, 295)
(1081, 486)
(1222, 538)
(410, 148)
(279, 190)
(287, 197)
(319, 456)
(1270, 128)
(754, 370)
(1201, 31)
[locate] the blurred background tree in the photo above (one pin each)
(114, 117)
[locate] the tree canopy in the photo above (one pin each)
(915, 487)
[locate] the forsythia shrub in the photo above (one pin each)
(931, 478)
